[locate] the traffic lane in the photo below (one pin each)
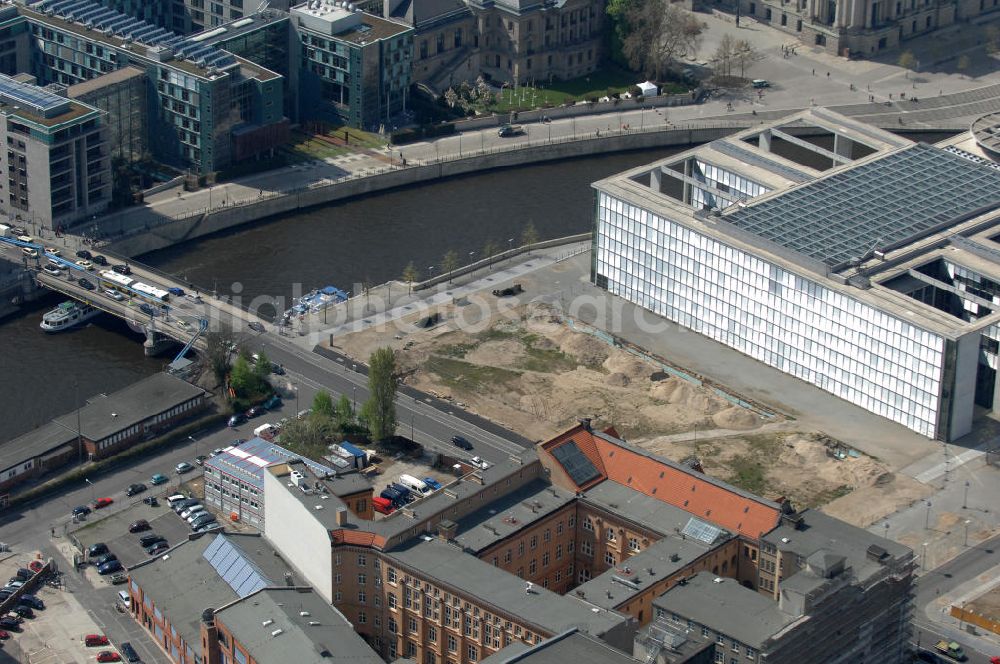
(970, 563)
(438, 418)
(926, 634)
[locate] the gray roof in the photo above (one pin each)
(820, 533)
(105, 415)
(637, 507)
(453, 568)
(322, 635)
(182, 583)
(510, 513)
(35, 443)
(425, 13)
(725, 607)
(323, 497)
(886, 202)
(634, 575)
(82, 90)
(571, 647)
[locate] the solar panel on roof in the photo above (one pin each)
(230, 563)
(887, 202)
(701, 531)
(579, 467)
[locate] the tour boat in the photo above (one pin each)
(68, 314)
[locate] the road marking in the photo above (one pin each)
(952, 463)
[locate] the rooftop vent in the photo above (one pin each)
(718, 579)
(314, 623)
(304, 613)
(277, 632)
(785, 540)
(267, 622)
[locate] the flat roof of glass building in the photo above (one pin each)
(875, 206)
(31, 98)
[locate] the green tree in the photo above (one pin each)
(617, 11)
(449, 263)
(380, 410)
(217, 352)
(242, 378)
(322, 405)
(410, 275)
(907, 61)
(308, 437)
(529, 236)
(262, 368)
(344, 415)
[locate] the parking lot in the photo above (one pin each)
(390, 470)
(113, 531)
(55, 634)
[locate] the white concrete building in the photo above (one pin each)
(849, 257)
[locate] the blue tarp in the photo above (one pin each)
(352, 449)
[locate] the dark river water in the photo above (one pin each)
(366, 239)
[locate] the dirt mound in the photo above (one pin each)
(503, 353)
(585, 348)
(617, 379)
(736, 417)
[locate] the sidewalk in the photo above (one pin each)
(939, 611)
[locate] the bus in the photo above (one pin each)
(150, 292)
(117, 281)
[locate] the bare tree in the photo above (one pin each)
(744, 55)
(659, 32)
(723, 57)
(451, 97)
(410, 275)
(449, 263)
(907, 61)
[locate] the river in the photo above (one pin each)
(366, 239)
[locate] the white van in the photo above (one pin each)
(124, 598)
(411, 482)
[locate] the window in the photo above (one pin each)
(452, 644)
(588, 524)
(362, 598)
(393, 602)
(432, 634)
(472, 654)
(362, 617)
(412, 625)
(587, 548)
(362, 560)
(391, 624)
(609, 558)
(362, 579)
(611, 534)
(391, 575)
(633, 543)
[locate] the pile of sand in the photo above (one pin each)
(736, 417)
(617, 379)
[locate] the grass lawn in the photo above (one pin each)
(608, 79)
(306, 147)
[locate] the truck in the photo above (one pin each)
(383, 505)
(951, 649)
(393, 496)
(510, 130)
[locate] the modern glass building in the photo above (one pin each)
(838, 253)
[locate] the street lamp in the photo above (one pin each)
(93, 490)
(297, 411)
(191, 438)
(927, 518)
(967, 522)
(965, 498)
(923, 560)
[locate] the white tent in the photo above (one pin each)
(648, 89)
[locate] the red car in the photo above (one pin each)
(92, 640)
(102, 502)
(4, 635)
(108, 656)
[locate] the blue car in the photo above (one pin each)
(109, 567)
(146, 309)
(179, 292)
(432, 483)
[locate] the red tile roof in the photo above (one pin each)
(357, 538)
(691, 491)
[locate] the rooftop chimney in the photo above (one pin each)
(585, 423)
(341, 516)
(447, 530)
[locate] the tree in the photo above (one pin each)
(744, 55)
(490, 249)
(217, 352)
(410, 275)
(309, 436)
(484, 92)
(724, 56)
(450, 263)
(529, 236)
(242, 378)
(907, 61)
(616, 11)
(658, 33)
(380, 410)
(322, 406)
(451, 97)
(344, 415)
(262, 369)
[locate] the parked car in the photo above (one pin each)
(138, 526)
(173, 290)
(151, 501)
(273, 402)
(158, 479)
(927, 656)
(119, 579)
(109, 567)
(760, 83)
(200, 518)
(23, 574)
(98, 549)
(277, 369)
(129, 652)
(99, 260)
(182, 505)
(24, 611)
(432, 483)
(122, 269)
(84, 254)
(207, 526)
(114, 295)
(216, 452)
(255, 326)
(256, 411)
(189, 512)
(200, 459)
(150, 540)
(108, 656)
(81, 510)
(12, 623)
(461, 442)
(480, 463)
(157, 548)
(177, 497)
(237, 419)
(183, 467)
(4, 635)
(106, 558)
(85, 284)
(133, 489)
(102, 502)
(93, 640)
(33, 602)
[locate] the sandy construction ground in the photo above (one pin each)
(528, 369)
